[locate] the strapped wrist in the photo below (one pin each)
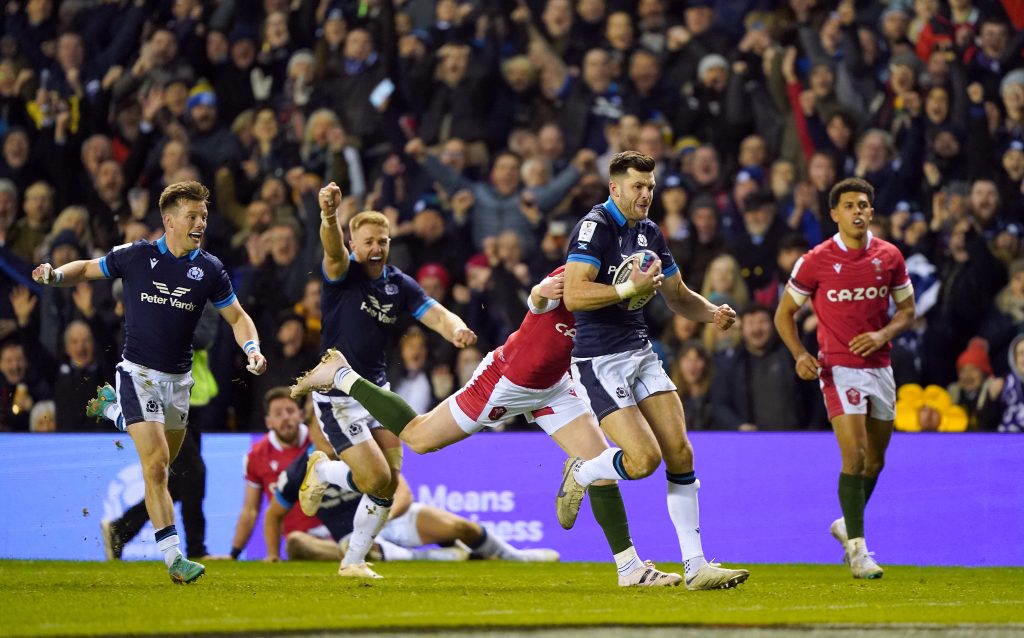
(250, 347)
(625, 290)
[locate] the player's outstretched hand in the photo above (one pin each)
(330, 199)
(866, 343)
(725, 316)
(45, 274)
(552, 287)
(807, 367)
(257, 363)
(646, 282)
(463, 337)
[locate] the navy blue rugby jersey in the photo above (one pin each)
(336, 510)
(164, 297)
(359, 315)
(604, 239)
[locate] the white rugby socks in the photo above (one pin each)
(601, 467)
(627, 560)
(685, 514)
(371, 515)
(336, 473)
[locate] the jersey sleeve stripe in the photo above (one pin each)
(422, 310)
(250, 483)
(903, 285)
(103, 267)
(225, 302)
(285, 503)
(800, 288)
(586, 259)
(673, 269)
(333, 281)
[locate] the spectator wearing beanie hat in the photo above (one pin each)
(976, 390)
(435, 280)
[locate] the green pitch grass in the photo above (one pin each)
(54, 598)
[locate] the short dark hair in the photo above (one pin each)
(273, 394)
(850, 185)
(753, 308)
(622, 162)
(793, 241)
(189, 191)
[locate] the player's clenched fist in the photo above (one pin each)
(47, 275)
(257, 363)
(463, 337)
(330, 199)
(725, 316)
(807, 367)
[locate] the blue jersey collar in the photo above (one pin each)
(610, 206)
(161, 245)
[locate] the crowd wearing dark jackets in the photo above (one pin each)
(482, 130)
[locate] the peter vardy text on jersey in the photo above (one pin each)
(160, 301)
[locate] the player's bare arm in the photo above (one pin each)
(867, 343)
(582, 293)
(245, 336)
(273, 523)
(251, 505)
(449, 325)
(549, 289)
(69, 274)
(683, 301)
(807, 367)
(335, 253)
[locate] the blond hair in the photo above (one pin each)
(369, 218)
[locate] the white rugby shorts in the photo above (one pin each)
(402, 530)
(343, 420)
(489, 398)
(144, 394)
(858, 390)
(615, 381)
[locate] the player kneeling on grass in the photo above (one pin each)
(166, 285)
(849, 279)
(411, 526)
(528, 375)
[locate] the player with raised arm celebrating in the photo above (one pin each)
(528, 375)
(616, 369)
(849, 279)
(360, 302)
(166, 285)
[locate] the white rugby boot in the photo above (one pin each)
(714, 576)
(647, 575)
(536, 555)
(321, 377)
(862, 565)
(838, 531)
(311, 492)
(358, 570)
(570, 494)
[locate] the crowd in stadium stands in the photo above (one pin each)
(482, 130)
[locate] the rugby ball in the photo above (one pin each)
(647, 259)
